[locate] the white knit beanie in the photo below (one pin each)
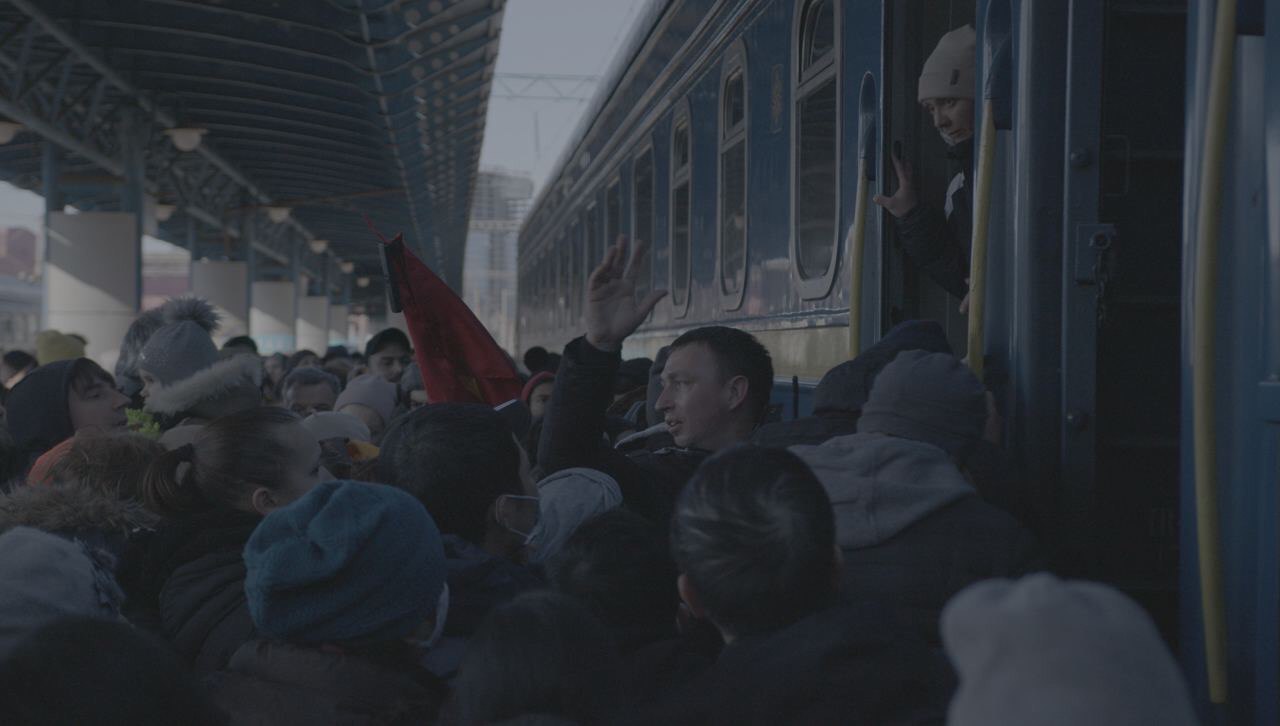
(948, 73)
(1047, 652)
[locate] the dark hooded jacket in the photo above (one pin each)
(840, 395)
(79, 512)
(850, 663)
(478, 582)
(38, 413)
(573, 434)
(186, 582)
(937, 240)
(281, 684)
(913, 531)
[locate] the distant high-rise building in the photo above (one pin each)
(18, 253)
(500, 203)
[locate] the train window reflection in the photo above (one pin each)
(733, 180)
(680, 244)
(815, 188)
(642, 222)
(590, 238)
(818, 34)
(613, 213)
(734, 101)
(680, 145)
(814, 185)
(680, 211)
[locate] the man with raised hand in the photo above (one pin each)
(716, 385)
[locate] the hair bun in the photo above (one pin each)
(185, 453)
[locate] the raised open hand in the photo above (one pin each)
(904, 200)
(612, 312)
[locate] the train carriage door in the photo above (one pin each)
(913, 29)
(1121, 297)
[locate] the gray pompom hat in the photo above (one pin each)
(177, 352)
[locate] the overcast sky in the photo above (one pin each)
(577, 37)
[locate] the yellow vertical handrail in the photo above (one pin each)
(1203, 333)
(857, 242)
(981, 232)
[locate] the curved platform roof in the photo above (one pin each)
(331, 108)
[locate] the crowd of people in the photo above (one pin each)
(209, 536)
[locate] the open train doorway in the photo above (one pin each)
(914, 28)
(1139, 302)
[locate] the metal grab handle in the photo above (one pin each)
(997, 113)
(857, 237)
(1204, 331)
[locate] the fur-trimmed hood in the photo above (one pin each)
(174, 310)
(72, 509)
(230, 385)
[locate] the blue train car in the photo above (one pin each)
(730, 133)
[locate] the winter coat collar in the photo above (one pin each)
(880, 485)
(72, 509)
(230, 385)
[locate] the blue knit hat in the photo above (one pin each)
(348, 561)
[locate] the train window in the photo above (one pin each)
(818, 34)
(815, 184)
(642, 219)
(612, 213)
(733, 178)
(680, 210)
(591, 238)
(575, 244)
(564, 282)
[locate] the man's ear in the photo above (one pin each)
(690, 596)
(736, 389)
(264, 501)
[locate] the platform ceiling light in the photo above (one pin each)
(186, 138)
(8, 130)
(412, 16)
(435, 6)
(278, 214)
(318, 246)
(165, 211)
(419, 72)
(416, 47)
(362, 281)
(347, 266)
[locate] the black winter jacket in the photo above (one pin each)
(573, 435)
(937, 240)
(186, 582)
(849, 663)
(278, 684)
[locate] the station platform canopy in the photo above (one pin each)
(259, 129)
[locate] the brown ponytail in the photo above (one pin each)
(231, 457)
(167, 492)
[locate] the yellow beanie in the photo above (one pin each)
(53, 346)
(948, 73)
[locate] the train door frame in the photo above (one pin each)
(906, 294)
